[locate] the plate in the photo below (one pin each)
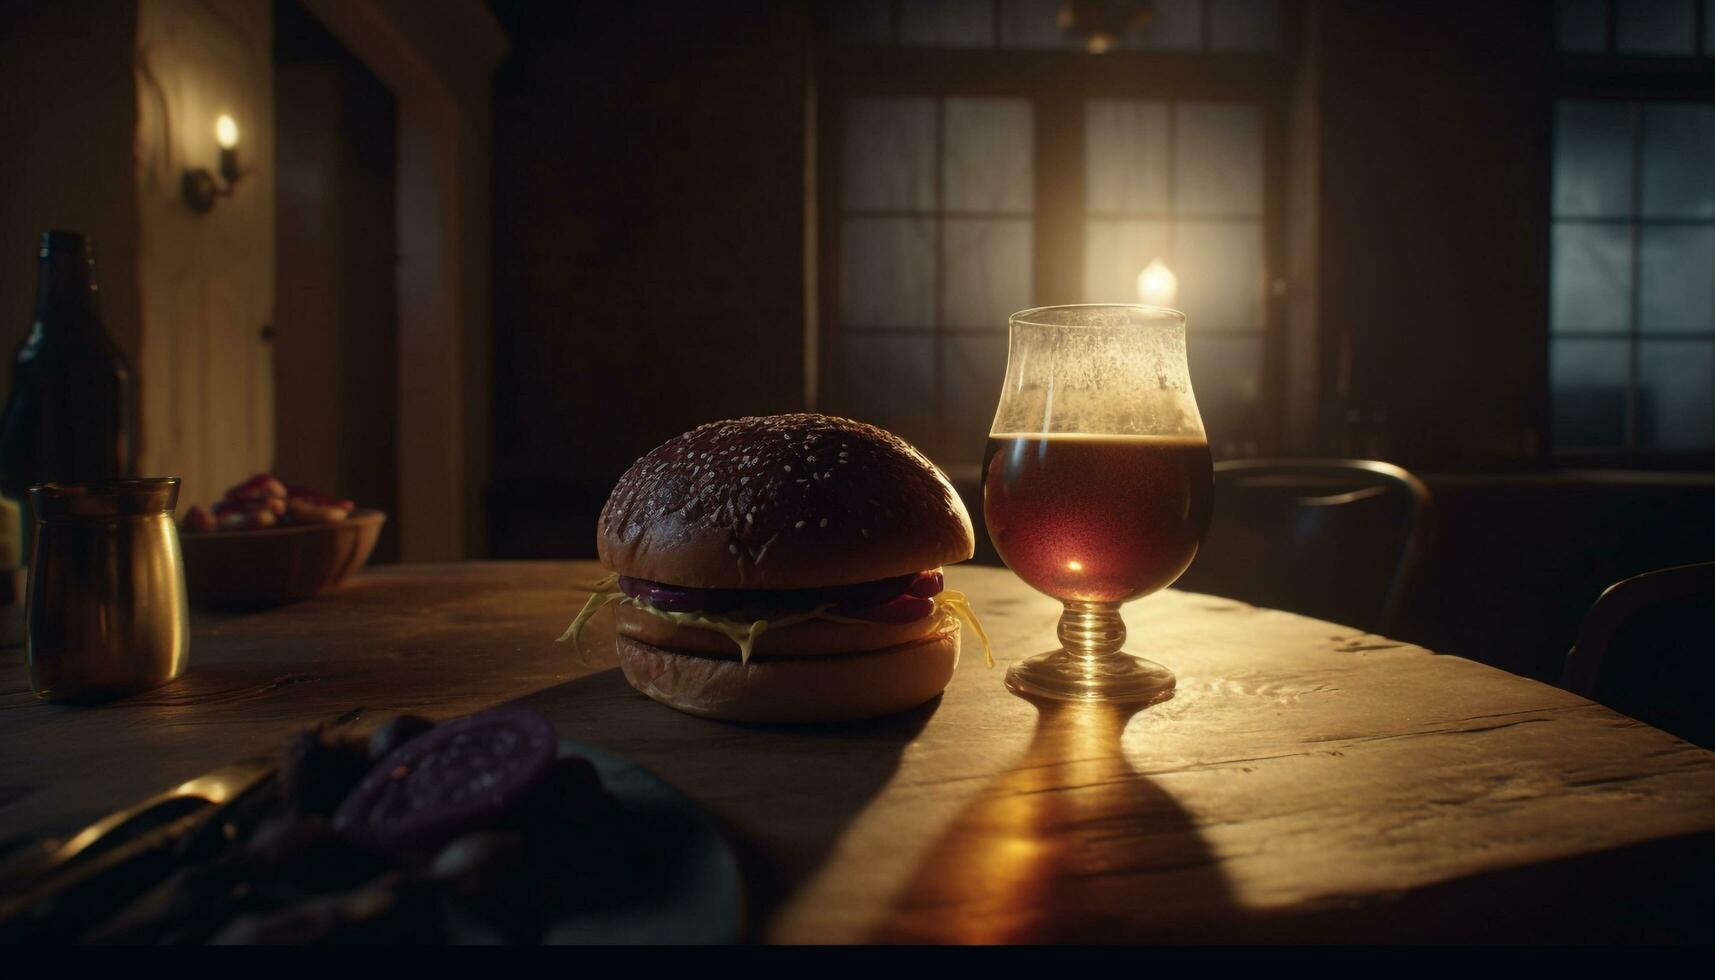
(665, 873)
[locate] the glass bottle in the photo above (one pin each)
(69, 417)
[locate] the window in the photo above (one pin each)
(1632, 315)
(1171, 25)
(1182, 183)
(976, 159)
(1644, 28)
(935, 254)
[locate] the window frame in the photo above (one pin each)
(1627, 79)
(1057, 83)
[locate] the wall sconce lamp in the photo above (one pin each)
(199, 185)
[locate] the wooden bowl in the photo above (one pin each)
(276, 565)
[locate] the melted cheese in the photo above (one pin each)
(950, 604)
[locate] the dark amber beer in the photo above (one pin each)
(1097, 518)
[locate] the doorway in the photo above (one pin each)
(335, 333)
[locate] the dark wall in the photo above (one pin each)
(1434, 193)
(68, 102)
(649, 218)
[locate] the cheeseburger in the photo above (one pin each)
(784, 569)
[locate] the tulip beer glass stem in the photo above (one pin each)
(1090, 666)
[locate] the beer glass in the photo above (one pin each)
(1096, 485)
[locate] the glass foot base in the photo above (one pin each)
(1118, 677)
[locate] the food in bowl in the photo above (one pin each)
(784, 568)
(263, 501)
(267, 543)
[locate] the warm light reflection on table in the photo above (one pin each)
(1032, 858)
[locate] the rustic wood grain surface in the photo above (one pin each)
(1307, 783)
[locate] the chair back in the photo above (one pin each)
(1647, 649)
(1334, 539)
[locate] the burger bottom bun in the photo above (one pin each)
(812, 689)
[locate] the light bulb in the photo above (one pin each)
(226, 132)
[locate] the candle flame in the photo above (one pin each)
(1156, 284)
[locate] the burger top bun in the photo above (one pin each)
(782, 502)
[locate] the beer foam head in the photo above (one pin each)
(1100, 370)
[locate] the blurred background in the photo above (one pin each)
(482, 256)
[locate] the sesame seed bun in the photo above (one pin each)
(782, 502)
(794, 690)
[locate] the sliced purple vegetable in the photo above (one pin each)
(862, 594)
(465, 775)
(676, 598)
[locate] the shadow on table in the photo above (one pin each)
(1071, 844)
(1655, 892)
(794, 789)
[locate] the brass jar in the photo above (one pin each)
(107, 610)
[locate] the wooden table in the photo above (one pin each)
(1306, 783)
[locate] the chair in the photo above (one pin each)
(1647, 649)
(1334, 539)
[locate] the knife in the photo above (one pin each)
(195, 795)
(100, 868)
(76, 883)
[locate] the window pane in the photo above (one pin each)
(1592, 159)
(1243, 25)
(1224, 376)
(1115, 252)
(887, 270)
(1589, 382)
(890, 154)
(1175, 25)
(988, 155)
(974, 369)
(1676, 396)
(1220, 270)
(1653, 26)
(987, 268)
(889, 381)
(1581, 25)
(947, 23)
(1677, 269)
(1217, 159)
(1033, 24)
(1125, 157)
(857, 21)
(1592, 278)
(1679, 161)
